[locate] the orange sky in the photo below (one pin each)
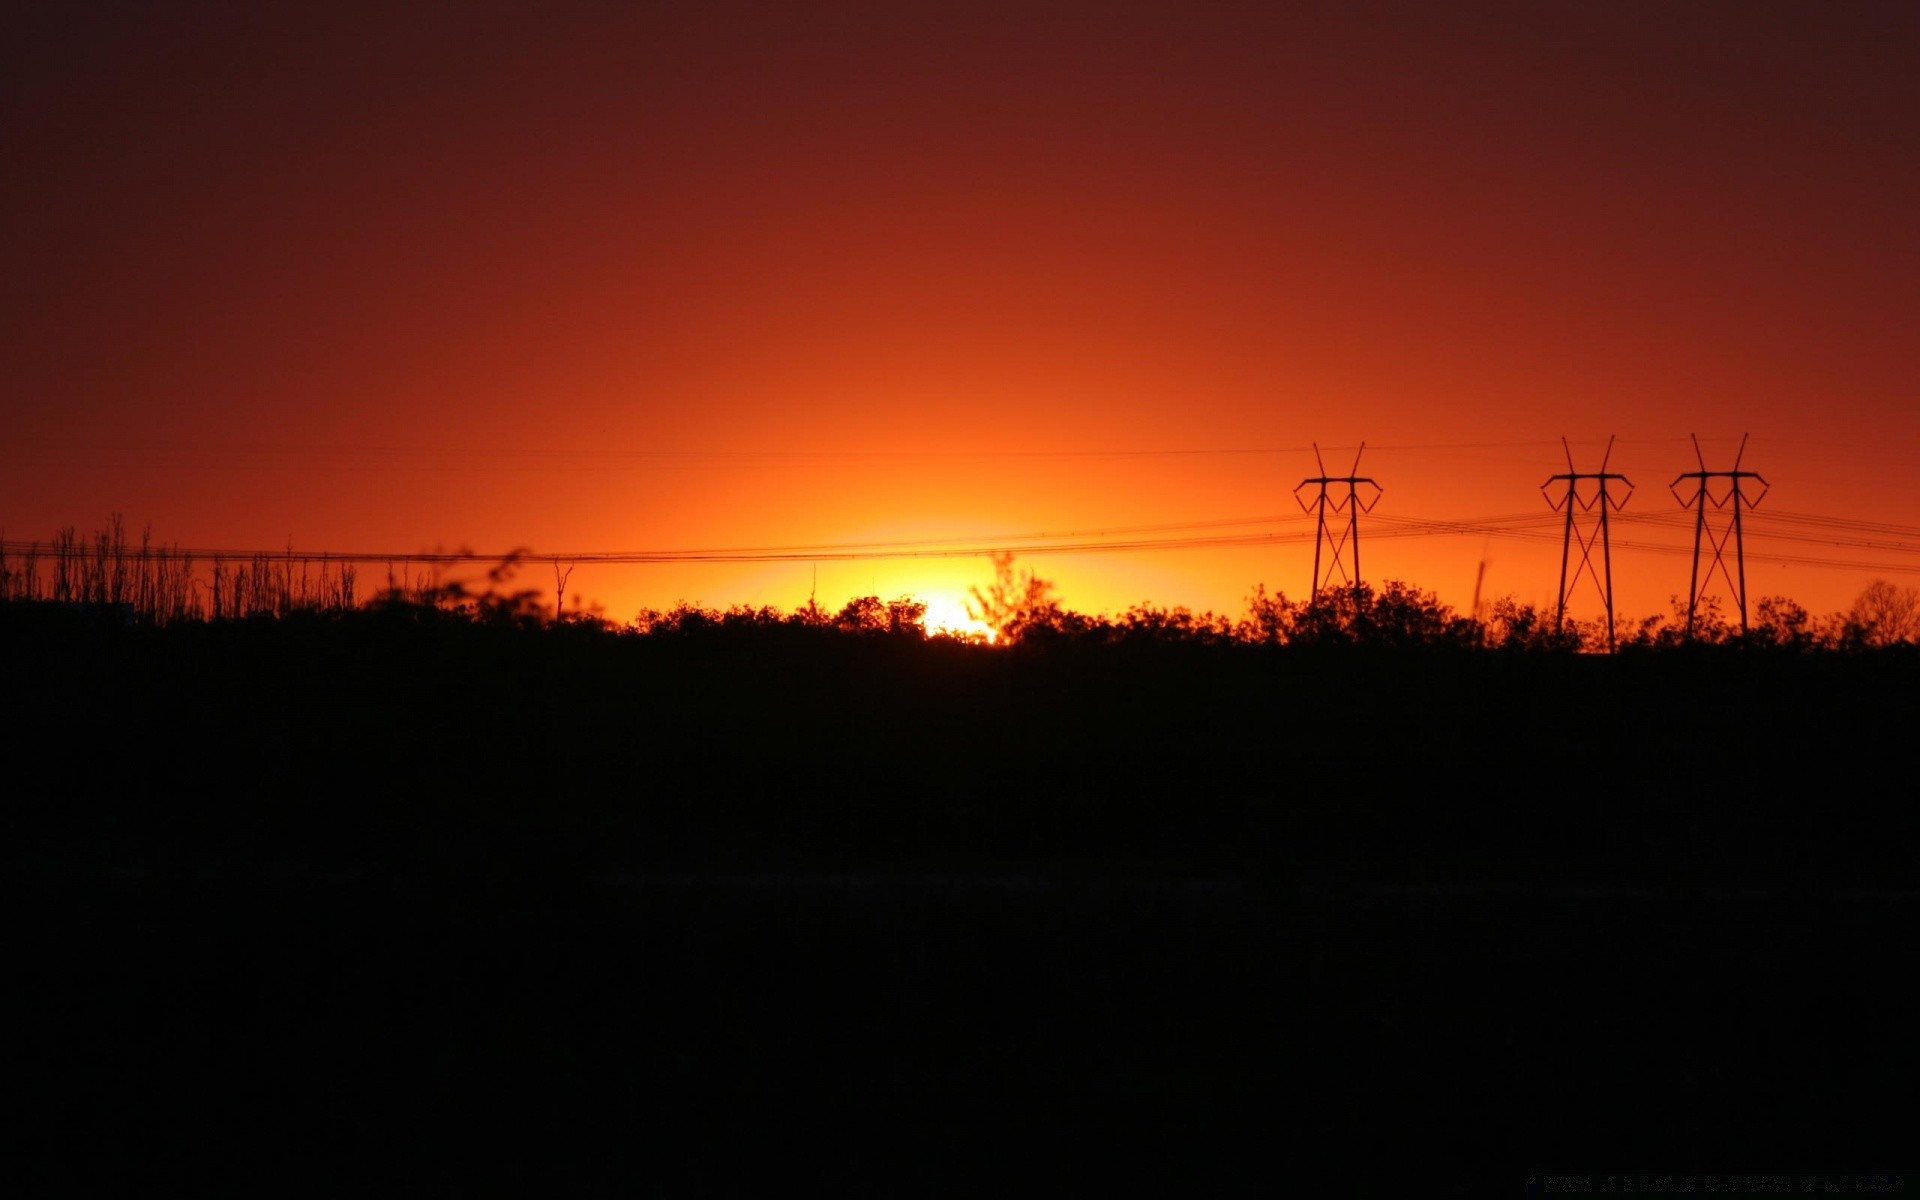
(631, 277)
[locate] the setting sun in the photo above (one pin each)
(946, 615)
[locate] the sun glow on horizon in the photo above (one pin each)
(946, 615)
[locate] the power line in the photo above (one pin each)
(420, 453)
(1763, 527)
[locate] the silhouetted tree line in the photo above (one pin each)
(1021, 609)
(111, 576)
(465, 709)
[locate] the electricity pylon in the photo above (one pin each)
(1601, 502)
(1342, 544)
(1732, 501)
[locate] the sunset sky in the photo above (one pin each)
(592, 278)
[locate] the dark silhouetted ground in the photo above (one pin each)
(393, 905)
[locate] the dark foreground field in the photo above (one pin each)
(386, 906)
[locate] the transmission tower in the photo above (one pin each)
(1730, 502)
(1342, 544)
(1599, 501)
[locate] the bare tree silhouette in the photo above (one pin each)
(1016, 602)
(1887, 612)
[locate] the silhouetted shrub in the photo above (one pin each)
(1397, 615)
(1513, 626)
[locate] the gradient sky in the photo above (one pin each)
(584, 277)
